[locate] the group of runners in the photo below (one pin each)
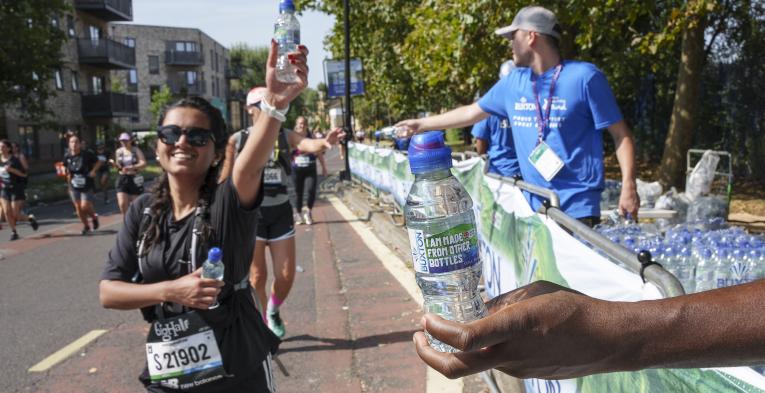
(84, 169)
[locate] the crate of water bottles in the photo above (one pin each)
(703, 255)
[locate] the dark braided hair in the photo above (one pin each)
(161, 199)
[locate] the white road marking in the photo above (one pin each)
(435, 382)
(67, 351)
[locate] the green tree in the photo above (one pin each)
(159, 100)
(29, 52)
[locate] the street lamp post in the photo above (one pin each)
(346, 174)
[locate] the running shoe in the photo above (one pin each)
(85, 230)
(298, 219)
(308, 218)
(33, 222)
(276, 324)
(95, 222)
(14, 236)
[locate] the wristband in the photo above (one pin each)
(271, 111)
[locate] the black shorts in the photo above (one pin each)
(275, 223)
(14, 193)
(126, 184)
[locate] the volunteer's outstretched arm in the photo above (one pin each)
(455, 118)
(629, 201)
(546, 331)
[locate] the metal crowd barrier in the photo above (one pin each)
(665, 281)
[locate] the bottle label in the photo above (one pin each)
(283, 36)
(448, 251)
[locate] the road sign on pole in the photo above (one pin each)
(334, 77)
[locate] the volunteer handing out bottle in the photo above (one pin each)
(155, 263)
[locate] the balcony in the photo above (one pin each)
(182, 88)
(107, 10)
(105, 53)
(109, 105)
(182, 58)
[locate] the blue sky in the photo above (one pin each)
(234, 21)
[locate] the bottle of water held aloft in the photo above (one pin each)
(213, 267)
(287, 35)
(442, 235)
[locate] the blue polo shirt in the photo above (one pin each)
(582, 106)
(496, 132)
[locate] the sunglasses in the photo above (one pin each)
(196, 136)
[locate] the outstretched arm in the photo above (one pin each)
(250, 162)
(314, 146)
(455, 118)
(546, 331)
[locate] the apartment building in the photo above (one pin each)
(84, 100)
(188, 61)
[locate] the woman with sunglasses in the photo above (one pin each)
(129, 161)
(155, 263)
(20, 189)
(81, 167)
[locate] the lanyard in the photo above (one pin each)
(543, 122)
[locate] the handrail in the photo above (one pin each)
(532, 188)
(667, 283)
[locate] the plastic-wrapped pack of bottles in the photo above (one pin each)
(703, 255)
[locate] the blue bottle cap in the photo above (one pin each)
(215, 254)
(286, 5)
(428, 153)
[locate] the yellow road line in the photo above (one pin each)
(67, 351)
(434, 381)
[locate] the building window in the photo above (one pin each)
(212, 60)
(97, 84)
(70, 26)
(212, 87)
(186, 46)
(95, 33)
(132, 80)
(154, 65)
(129, 42)
(59, 79)
(75, 81)
(135, 119)
(28, 141)
(191, 78)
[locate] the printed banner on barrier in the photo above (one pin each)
(518, 246)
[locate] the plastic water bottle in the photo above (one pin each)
(705, 270)
(287, 35)
(442, 235)
(213, 267)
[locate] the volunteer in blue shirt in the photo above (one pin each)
(559, 146)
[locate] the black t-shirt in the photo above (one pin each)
(242, 336)
(11, 179)
(80, 164)
(104, 158)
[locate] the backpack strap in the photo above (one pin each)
(146, 218)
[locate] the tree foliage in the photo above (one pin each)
(30, 51)
(431, 55)
(159, 100)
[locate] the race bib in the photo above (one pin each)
(101, 158)
(4, 174)
(79, 181)
(272, 176)
(182, 353)
(138, 180)
(303, 161)
(546, 162)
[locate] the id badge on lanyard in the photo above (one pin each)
(543, 158)
(182, 353)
